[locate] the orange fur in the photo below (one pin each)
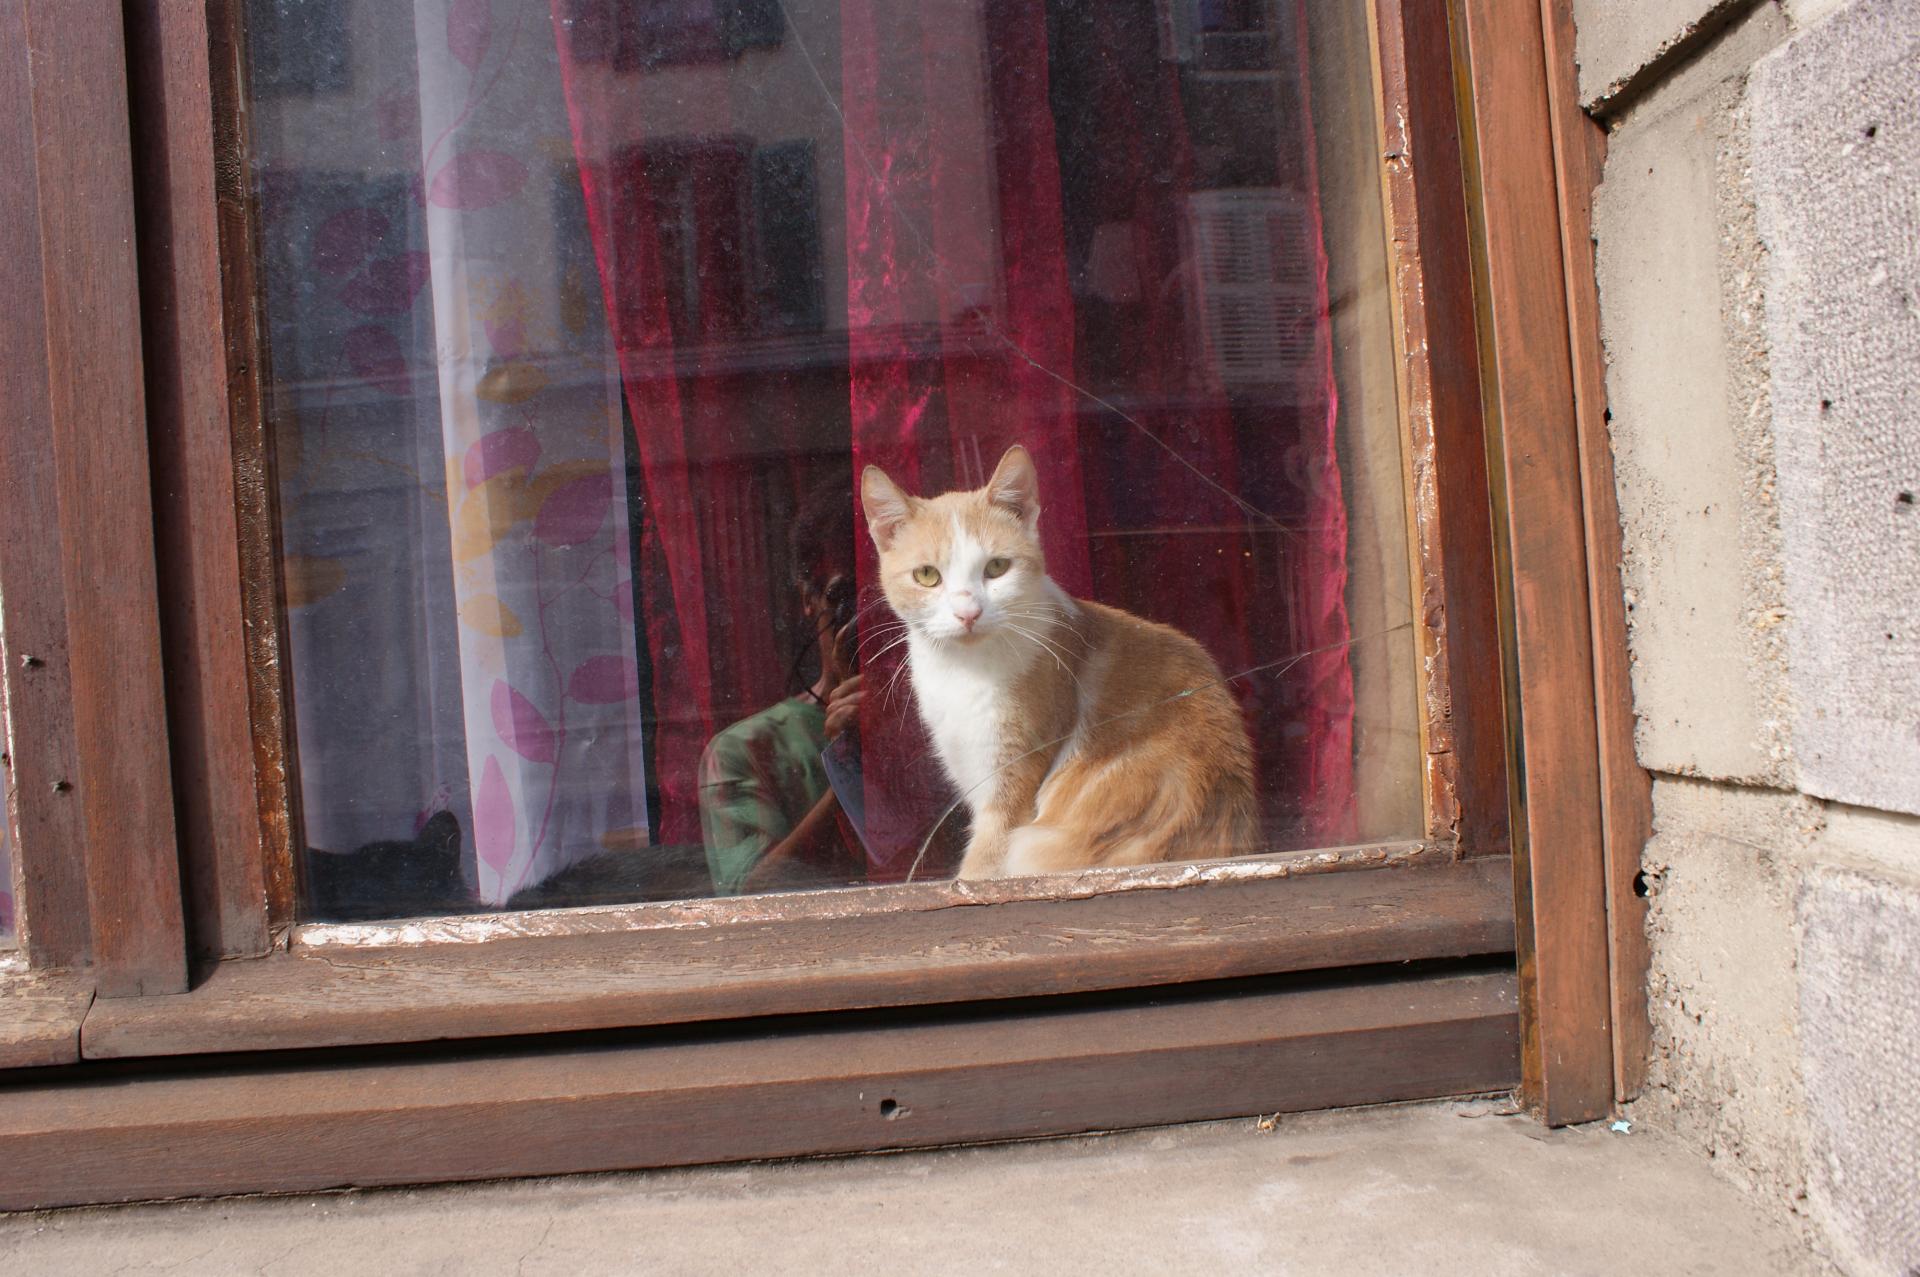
(1077, 734)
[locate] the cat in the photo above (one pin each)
(397, 879)
(420, 876)
(1076, 734)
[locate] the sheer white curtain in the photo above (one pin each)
(530, 423)
(454, 490)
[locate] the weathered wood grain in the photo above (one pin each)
(1626, 791)
(336, 996)
(1559, 857)
(40, 1015)
(95, 429)
(838, 1088)
(1439, 384)
(34, 682)
(269, 683)
(196, 529)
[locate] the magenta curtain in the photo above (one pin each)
(1023, 212)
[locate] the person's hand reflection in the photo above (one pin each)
(843, 702)
(843, 706)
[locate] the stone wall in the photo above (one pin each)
(1758, 235)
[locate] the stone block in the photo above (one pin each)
(1836, 146)
(1860, 1035)
(1687, 390)
(1723, 868)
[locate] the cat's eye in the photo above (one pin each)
(996, 567)
(927, 575)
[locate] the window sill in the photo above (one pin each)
(40, 1016)
(813, 954)
(835, 1087)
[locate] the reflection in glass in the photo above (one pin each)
(585, 315)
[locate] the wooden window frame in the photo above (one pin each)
(701, 1030)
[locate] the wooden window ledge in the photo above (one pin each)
(1315, 1042)
(824, 957)
(40, 1017)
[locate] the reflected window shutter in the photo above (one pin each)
(1253, 282)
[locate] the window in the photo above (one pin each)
(577, 356)
(486, 446)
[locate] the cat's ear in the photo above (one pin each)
(884, 505)
(1015, 486)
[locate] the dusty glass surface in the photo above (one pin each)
(585, 318)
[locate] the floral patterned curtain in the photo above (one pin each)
(453, 465)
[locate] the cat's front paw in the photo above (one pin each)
(984, 859)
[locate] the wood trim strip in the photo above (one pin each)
(1439, 383)
(827, 1089)
(269, 682)
(359, 996)
(1559, 861)
(864, 900)
(35, 688)
(203, 634)
(76, 74)
(1626, 791)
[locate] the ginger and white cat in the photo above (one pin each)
(1077, 734)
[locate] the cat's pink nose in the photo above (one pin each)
(966, 611)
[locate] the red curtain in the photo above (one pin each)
(1022, 263)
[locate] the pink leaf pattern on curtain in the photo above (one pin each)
(495, 825)
(515, 448)
(388, 285)
(575, 511)
(478, 179)
(604, 680)
(347, 239)
(521, 726)
(469, 31)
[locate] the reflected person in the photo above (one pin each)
(767, 812)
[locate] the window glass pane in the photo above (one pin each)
(586, 318)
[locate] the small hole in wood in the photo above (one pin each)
(889, 1109)
(1640, 887)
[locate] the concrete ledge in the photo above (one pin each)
(1438, 1189)
(1625, 46)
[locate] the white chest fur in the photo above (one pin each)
(963, 700)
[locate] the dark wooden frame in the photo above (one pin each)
(1582, 805)
(1512, 237)
(818, 1086)
(83, 667)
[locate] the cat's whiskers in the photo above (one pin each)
(903, 639)
(1050, 650)
(886, 700)
(1056, 623)
(893, 632)
(862, 611)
